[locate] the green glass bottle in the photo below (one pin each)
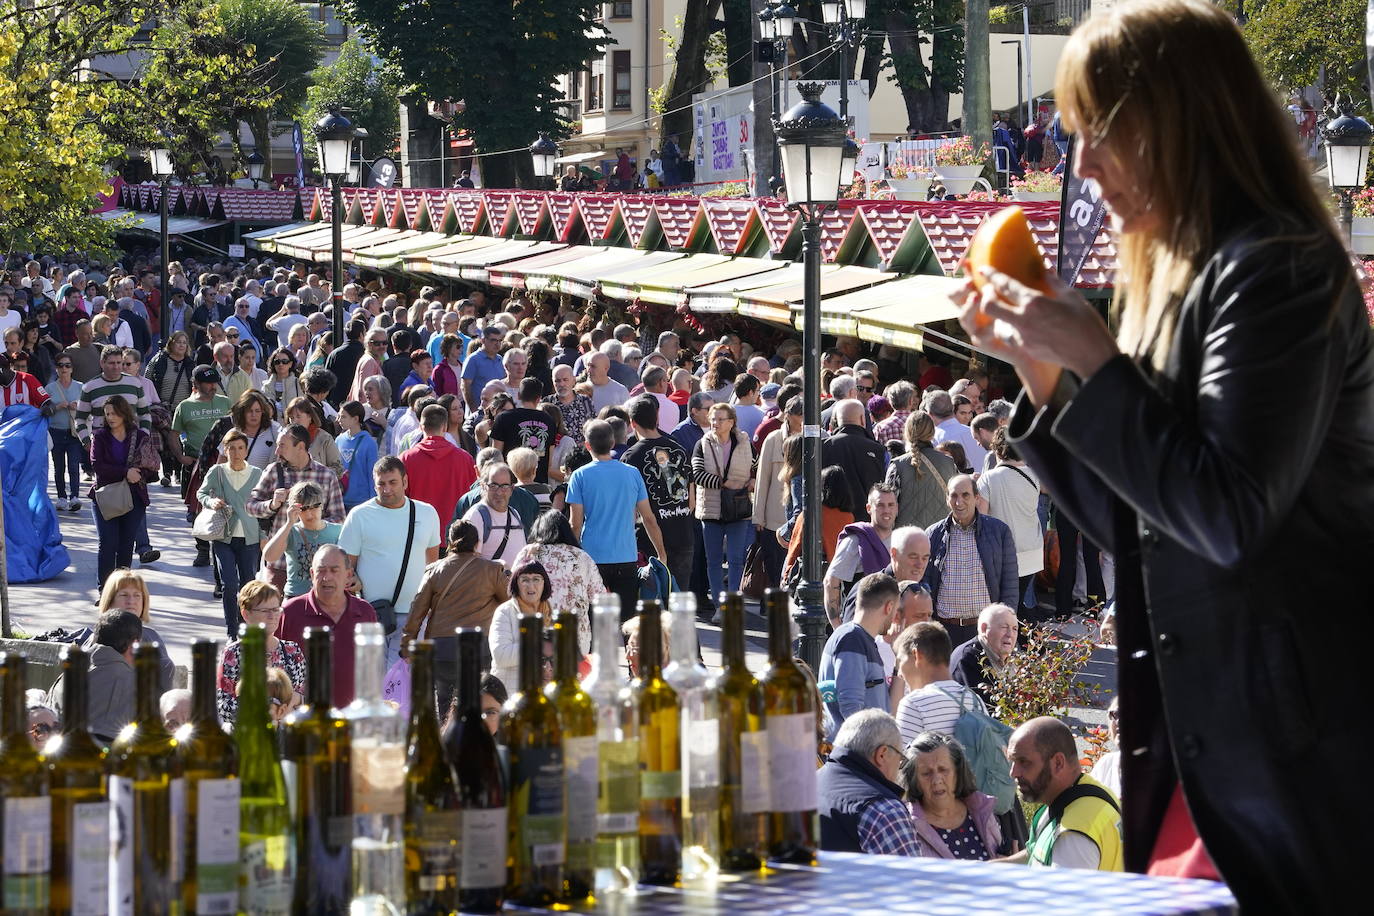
(80, 811)
(147, 804)
(209, 766)
(266, 842)
(577, 716)
(538, 817)
(319, 787)
(25, 805)
(617, 772)
(790, 704)
(479, 779)
(744, 801)
(660, 751)
(433, 821)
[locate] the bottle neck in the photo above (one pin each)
(146, 711)
(252, 713)
(203, 676)
(470, 673)
(319, 672)
(422, 713)
(369, 659)
(14, 719)
(606, 646)
(732, 637)
(650, 643)
(75, 692)
(565, 648)
(531, 652)
(683, 640)
(779, 632)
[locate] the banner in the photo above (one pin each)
(298, 146)
(1081, 214)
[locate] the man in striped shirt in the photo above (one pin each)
(934, 701)
(111, 381)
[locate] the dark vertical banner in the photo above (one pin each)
(1081, 214)
(298, 147)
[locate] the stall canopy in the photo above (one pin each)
(670, 286)
(151, 223)
(894, 313)
(318, 246)
(420, 262)
(722, 298)
(622, 280)
(777, 302)
(518, 274)
(582, 277)
(277, 232)
(473, 265)
(391, 255)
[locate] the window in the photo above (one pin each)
(620, 79)
(596, 85)
(622, 9)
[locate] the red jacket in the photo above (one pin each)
(438, 473)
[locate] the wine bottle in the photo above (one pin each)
(744, 799)
(80, 811)
(266, 841)
(209, 765)
(147, 804)
(660, 752)
(700, 739)
(477, 775)
(25, 805)
(319, 787)
(534, 741)
(617, 766)
(789, 707)
(433, 821)
(577, 716)
(379, 786)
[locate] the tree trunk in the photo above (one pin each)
(912, 77)
(689, 68)
(977, 113)
(741, 21)
(873, 61)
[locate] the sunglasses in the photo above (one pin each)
(64, 365)
(863, 388)
(282, 362)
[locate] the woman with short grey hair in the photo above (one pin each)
(953, 819)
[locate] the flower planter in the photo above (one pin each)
(909, 188)
(1031, 196)
(958, 179)
(1362, 235)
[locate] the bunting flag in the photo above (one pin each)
(1081, 214)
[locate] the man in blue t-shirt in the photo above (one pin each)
(605, 497)
(483, 366)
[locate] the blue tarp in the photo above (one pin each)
(33, 542)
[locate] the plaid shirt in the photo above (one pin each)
(886, 829)
(891, 428)
(278, 474)
(66, 322)
(963, 587)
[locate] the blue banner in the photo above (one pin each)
(33, 542)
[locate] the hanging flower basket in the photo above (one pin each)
(910, 188)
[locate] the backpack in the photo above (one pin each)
(513, 522)
(985, 744)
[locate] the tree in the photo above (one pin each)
(926, 88)
(977, 115)
(690, 72)
(367, 92)
(501, 57)
(1299, 43)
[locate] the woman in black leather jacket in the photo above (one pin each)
(1221, 445)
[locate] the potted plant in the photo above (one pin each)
(1037, 186)
(1362, 225)
(960, 164)
(908, 183)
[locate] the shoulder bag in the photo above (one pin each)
(386, 610)
(735, 503)
(115, 498)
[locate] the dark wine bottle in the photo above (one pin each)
(433, 818)
(209, 764)
(790, 704)
(25, 805)
(577, 716)
(319, 787)
(477, 775)
(660, 752)
(744, 801)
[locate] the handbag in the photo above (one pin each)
(113, 499)
(735, 503)
(756, 578)
(212, 524)
(386, 610)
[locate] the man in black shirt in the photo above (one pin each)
(343, 362)
(526, 426)
(667, 471)
(397, 367)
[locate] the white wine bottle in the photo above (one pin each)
(25, 806)
(700, 731)
(744, 797)
(790, 705)
(660, 757)
(617, 767)
(267, 842)
(577, 718)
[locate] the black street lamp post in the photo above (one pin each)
(160, 157)
(255, 164)
(775, 27)
(814, 149)
(543, 152)
(846, 21)
(334, 135)
(1348, 139)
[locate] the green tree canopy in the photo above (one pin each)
(502, 57)
(369, 94)
(1293, 40)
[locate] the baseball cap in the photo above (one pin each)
(206, 374)
(770, 391)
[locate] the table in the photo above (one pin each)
(852, 884)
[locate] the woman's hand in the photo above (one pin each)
(133, 475)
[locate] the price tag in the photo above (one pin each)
(237, 251)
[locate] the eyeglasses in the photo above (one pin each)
(500, 486)
(897, 750)
(307, 508)
(868, 388)
(268, 609)
(282, 362)
(490, 713)
(64, 365)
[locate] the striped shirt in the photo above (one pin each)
(90, 414)
(963, 588)
(929, 710)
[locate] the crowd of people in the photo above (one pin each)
(460, 462)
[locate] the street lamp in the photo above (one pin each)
(812, 139)
(846, 21)
(542, 153)
(775, 28)
(334, 135)
(1348, 139)
(255, 164)
(160, 157)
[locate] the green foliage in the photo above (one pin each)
(1043, 676)
(367, 92)
(502, 57)
(924, 18)
(1294, 39)
(1002, 15)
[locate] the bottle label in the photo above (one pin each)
(580, 763)
(379, 778)
(792, 761)
(483, 848)
(28, 846)
(436, 840)
(176, 805)
(121, 897)
(217, 846)
(539, 802)
(655, 784)
(267, 874)
(89, 868)
(618, 804)
(703, 753)
(291, 777)
(753, 764)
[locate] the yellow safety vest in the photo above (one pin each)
(1094, 817)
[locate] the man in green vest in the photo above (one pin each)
(1079, 822)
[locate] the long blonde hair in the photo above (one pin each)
(1175, 78)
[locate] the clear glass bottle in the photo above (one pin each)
(80, 811)
(790, 707)
(25, 806)
(700, 739)
(267, 844)
(660, 757)
(744, 799)
(577, 717)
(378, 733)
(617, 769)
